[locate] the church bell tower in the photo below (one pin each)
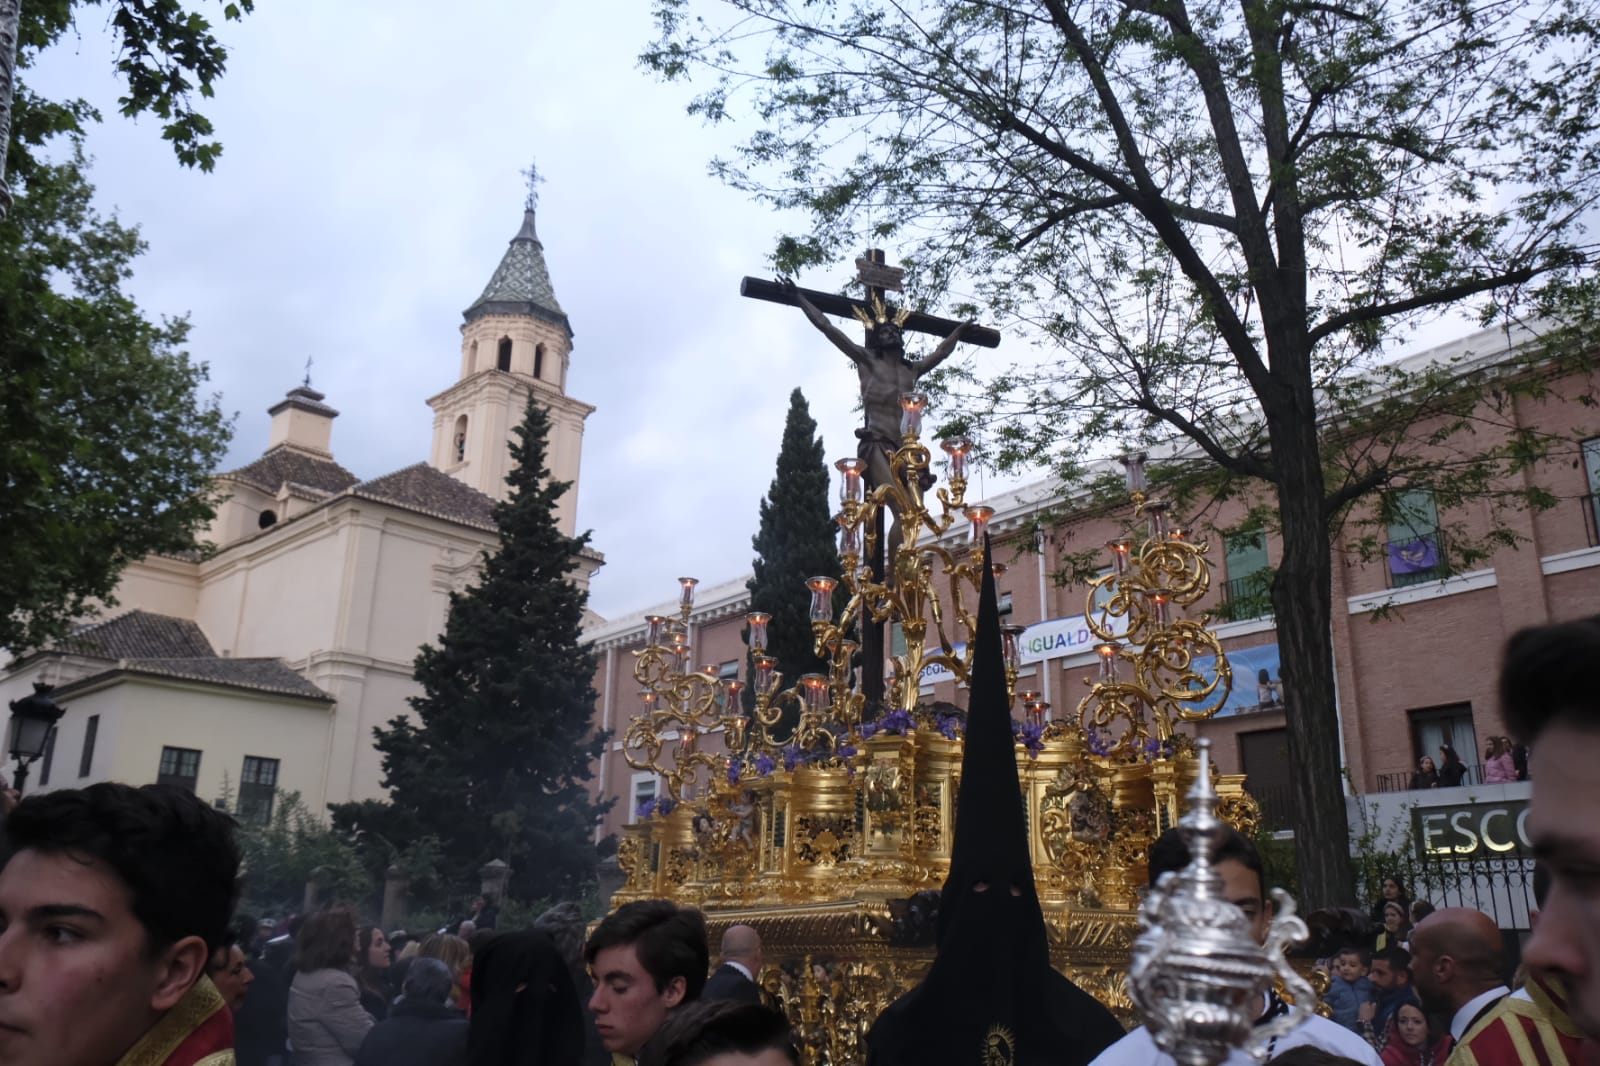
(515, 340)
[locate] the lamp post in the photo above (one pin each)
(33, 720)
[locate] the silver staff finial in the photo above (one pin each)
(1197, 975)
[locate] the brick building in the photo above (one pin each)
(1417, 629)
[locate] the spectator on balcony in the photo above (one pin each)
(1498, 767)
(1269, 693)
(1426, 775)
(1519, 759)
(1451, 769)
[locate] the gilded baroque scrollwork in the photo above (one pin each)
(823, 840)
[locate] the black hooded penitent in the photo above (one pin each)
(524, 1009)
(991, 997)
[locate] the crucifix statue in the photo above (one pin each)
(885, 373)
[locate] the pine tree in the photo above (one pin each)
(496, 760)
(795, 541)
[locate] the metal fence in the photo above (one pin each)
(1400, 780)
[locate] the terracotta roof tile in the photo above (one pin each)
(140, 635)
(281, 464)
(423, 488)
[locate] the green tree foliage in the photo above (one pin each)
(296, 847)
(1212, 216)
(794, 541)
(106, 437)
(496, 762)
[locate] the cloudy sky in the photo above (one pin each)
(369, 184)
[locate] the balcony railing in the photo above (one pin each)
(1418, 559)
(1276, 803)
(1400, 780)
(1246, 597)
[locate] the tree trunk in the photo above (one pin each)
(1302, 601)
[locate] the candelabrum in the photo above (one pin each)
(1150, 677)
(1198, 977)
(929, 589)
(679, 706)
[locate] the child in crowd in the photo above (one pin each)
(1350, 988)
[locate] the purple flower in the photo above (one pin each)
(844, 751)
(666, 805)
(897, 722)
(733, 773)
(792, 757)
(1099, 743)
(764, 764)
(868, 730)
(949, 726)
(646, 807)
(1031, 735)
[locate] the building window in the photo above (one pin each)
(1434, 727)
(1591, 500)
(538, 361)
(258, 783)
(179, 766)
(1264, 757)
(728, 671)
(458, 446)
(503, 356)
(1247, 593)
(49, 756)
(646, 788)
(267, 519)
(90, 732)
(1416, 548)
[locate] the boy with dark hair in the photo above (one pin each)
(1238, 863)
(1350, 989)
(1551, 703)
(111, 903)
(647, 959)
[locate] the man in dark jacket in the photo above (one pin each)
(421, 1030)
(735, 980)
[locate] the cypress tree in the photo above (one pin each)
(495, 762)
(795, 541)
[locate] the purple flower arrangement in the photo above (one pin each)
(949, 726)
(662, 805)
(896, 723)
(763, 764)
(734, 770)
(1030, 735)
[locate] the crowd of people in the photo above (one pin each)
(1503, 763)
(115, 949)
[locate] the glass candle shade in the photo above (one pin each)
(821, 598)
(849, 537)
(688, 740)
(1010, 636)
(1035, 710)
(1161, 605)
(912, 404)
(764, 678)
(979, 516)
(709, 672)
(647, 700)
(731, 691)
(998, 570)
(757, 620)
(814, 689)
(1157, 512)
(1121, 551)
(1134, 463)
(851, 488)
(655, 629)
(687, 597)
(1028, 696)
(957, 448)
(1108, 659)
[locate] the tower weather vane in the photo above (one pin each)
(308, 372)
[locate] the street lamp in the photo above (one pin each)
(33, 720)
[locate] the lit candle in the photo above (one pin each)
(655, 627)
(709, 671)
(757, 620)
(1035, 709)
(764, 679)
(647, 700)
(1121, 550)
(979, 516)
(912, 404)
(1159, 599)
(998, 570)
(688, 583)
(821, 598)
(1108, 659)
(731, 691)
(851, 488)
(957, 448)
(814, 687)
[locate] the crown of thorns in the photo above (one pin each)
(882, 314)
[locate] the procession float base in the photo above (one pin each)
(838, 867)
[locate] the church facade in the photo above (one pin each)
(265, 661)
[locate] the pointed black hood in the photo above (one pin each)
(991, 995)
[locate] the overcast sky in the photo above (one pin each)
(367, 190)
